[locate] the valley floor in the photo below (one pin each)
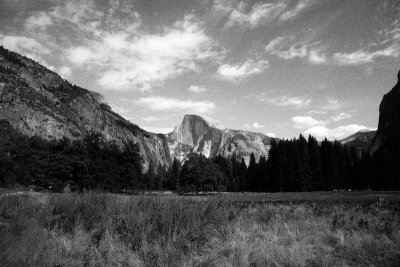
(243, 229)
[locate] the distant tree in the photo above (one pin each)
(305, 175)
(242, 172)
(251, 173)
(201, 174)
(315, 164)
(273, 167)
(261, 179)
(174, 175)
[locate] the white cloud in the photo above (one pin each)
(172, 104)
(257, 125)
(65, 71)
(318, 112)
(338, 133)
(332, 104)
(273, 135)
(274, 43)
(361, 56)
(40, 20)
(119, 110)
(316, 57)
(81, 55)
(239, 13)
(24, 45)
(286, 48)
(340, 117)
(196, 89)
(153, 118)
(236, 72)
(286, 101)
(305, 122)
(158, 129)
(260, 13)
(290, 14)
(295, 51)
(129, 59)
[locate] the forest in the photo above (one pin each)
(296, 165)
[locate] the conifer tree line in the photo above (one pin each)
(296, 165)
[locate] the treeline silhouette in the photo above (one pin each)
(293, 165)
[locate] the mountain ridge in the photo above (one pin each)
(361, 140)
(37, 101)
(196, 135)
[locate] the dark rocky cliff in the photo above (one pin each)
(388, 133)
(37, 101)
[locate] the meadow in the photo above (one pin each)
(242, 229)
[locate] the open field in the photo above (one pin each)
(282, 229)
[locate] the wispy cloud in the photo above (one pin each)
(40, 20)
(332, 104)
(241, 14)
(160, 103)
(139, 62)
(289, 48)
(65, 71)
(154, 118)
(161, 130)
(363, 56)
(292, 13)
(235, 72)
(338, 133)
(257, 125)
(286, 101)
(111, 42)
(305, 122)
(196, 89)
(340, 117)
(259, 13)
(119, 110)
(27, 46)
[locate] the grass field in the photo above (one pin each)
(282, 229)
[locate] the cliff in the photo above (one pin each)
(200, 135)
(37, 101)
(388, 133)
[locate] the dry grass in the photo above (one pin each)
(95, 229)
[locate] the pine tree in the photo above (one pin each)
(242, 176)
(305, 183)
(315, 164)
(174, 176)
(272, 167)
(251, 174)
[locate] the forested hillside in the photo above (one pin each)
(94, 163)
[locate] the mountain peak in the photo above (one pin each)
(208, 120)
(205, 135)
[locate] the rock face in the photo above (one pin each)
(201, 135)
(361, 140)
(37, 101)
(388, 133)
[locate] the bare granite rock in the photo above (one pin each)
(37, 101)
(202, 135)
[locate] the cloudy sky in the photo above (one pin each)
(281, 67)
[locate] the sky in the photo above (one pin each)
(282, 68)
